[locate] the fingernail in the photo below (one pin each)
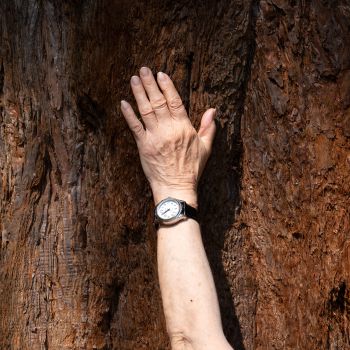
(144, 71)
(135, 80)
(123, 104)
(161, 76)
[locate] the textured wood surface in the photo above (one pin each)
(296, 182)
(78, 268)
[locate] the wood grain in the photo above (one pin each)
(78, 248)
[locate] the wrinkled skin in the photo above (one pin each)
(173, 154)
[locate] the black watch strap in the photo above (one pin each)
(191, 212)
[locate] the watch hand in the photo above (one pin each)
(165, 211)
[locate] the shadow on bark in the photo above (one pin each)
(219, 202)
(217, 217)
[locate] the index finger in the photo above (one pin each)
(173, 99)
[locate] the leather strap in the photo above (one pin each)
(191, 212)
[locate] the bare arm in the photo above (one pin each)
(188, 292)
(173, 156)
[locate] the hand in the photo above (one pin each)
(172, 153)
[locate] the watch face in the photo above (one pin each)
(168, 209)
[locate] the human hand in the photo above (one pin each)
(173, 155)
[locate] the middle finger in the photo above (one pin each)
(157, 100)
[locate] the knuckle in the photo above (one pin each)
(137, 129)
(175, 103)
(146, 112)
(159, 103)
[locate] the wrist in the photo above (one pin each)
(187, 195)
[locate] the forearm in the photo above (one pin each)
(173, 155)
(188, 291)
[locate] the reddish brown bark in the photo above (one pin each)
(296, 184)
(78, 267)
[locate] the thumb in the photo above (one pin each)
(207, 129)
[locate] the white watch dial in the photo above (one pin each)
(168, 210)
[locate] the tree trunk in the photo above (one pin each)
(78, 248)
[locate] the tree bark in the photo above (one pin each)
(295, 184)
(78, 248)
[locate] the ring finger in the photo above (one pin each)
(143, 104)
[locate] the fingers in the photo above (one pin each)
(156, 98)
(157, 105)
(173, 99)
(143, 104)
(134, 124)
(207, 129)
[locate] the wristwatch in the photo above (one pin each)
(171, 210)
